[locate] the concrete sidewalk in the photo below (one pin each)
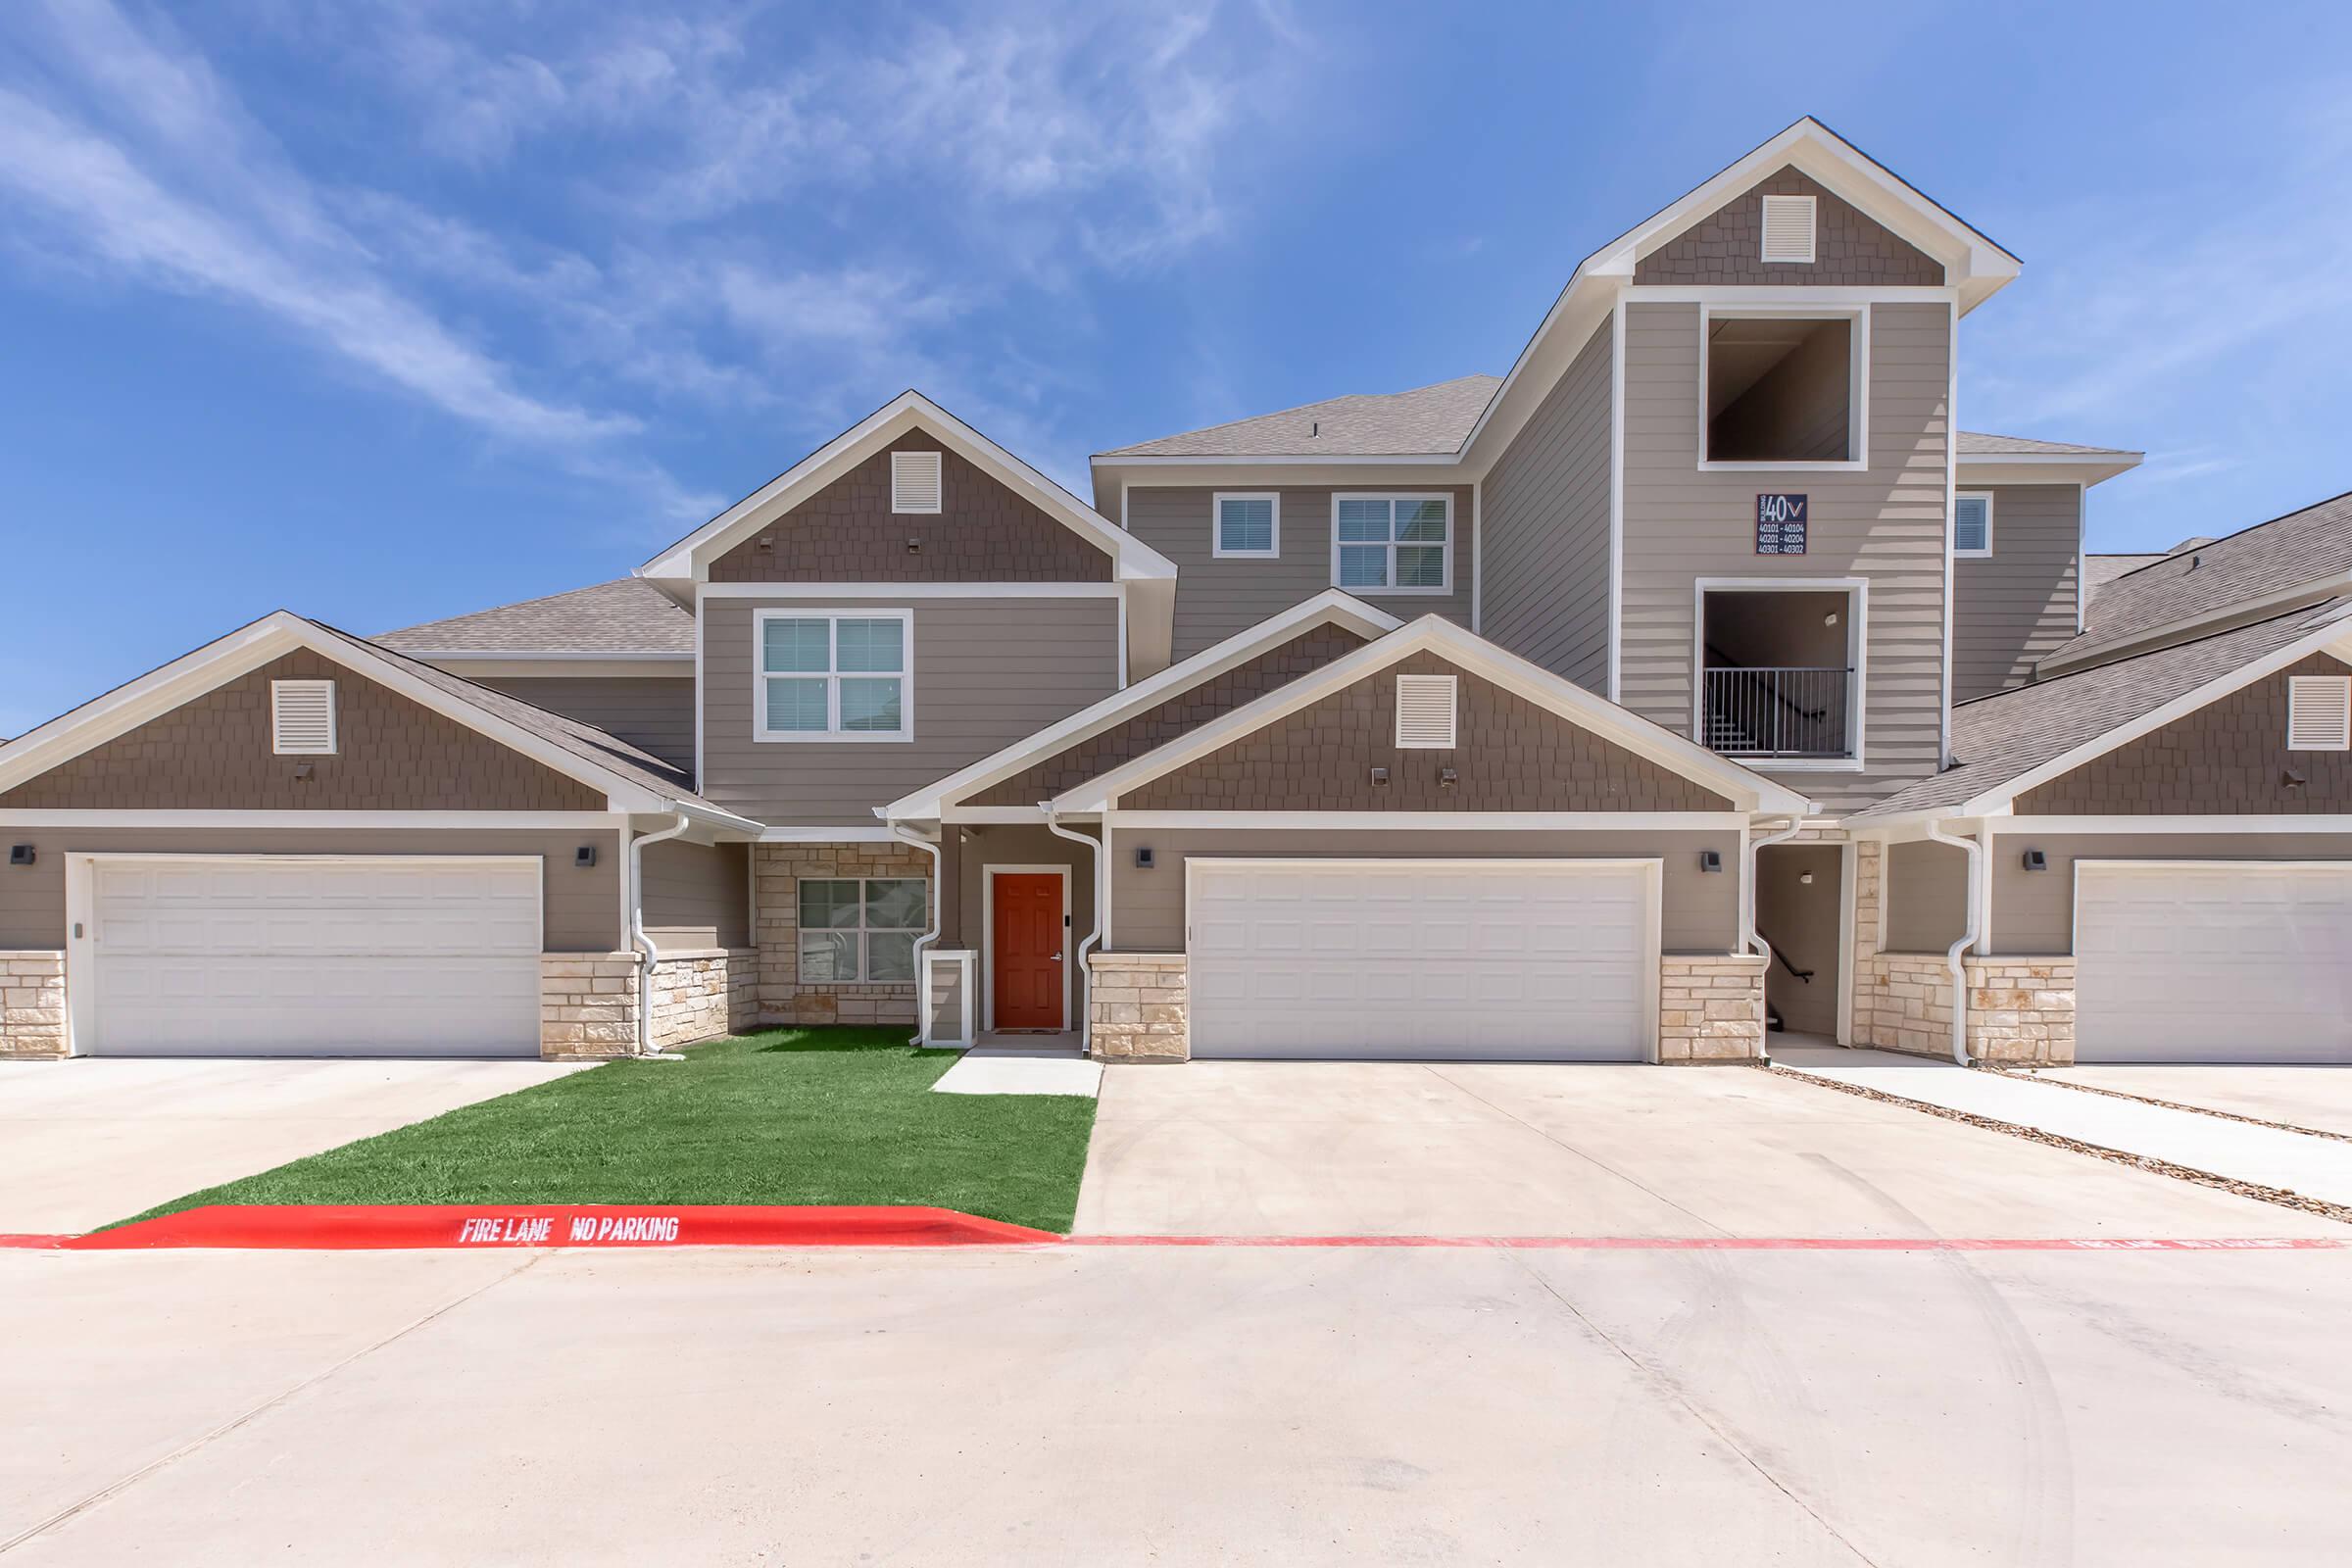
(2315, 1167)
(2318, 1098)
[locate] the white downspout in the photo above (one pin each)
(1968, 938)
(923, 943)
(1085, 976)
(647, 954)
(1749, 940)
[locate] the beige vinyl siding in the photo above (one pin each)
(1701, 911)
(581, 907)
(1215, 599)
(1926, 896)
(698, 895)
(1543, 509)
(653, 714)
(2034, 911)
(2011, 608)
(987, 673)
(1885, 523)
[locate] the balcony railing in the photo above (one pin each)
(1778, 711)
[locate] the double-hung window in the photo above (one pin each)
(839, 675)
(1248, 524)
(1972, 523)
(861, 930)
(1393, 544)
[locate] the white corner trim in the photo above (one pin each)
(1616, 499)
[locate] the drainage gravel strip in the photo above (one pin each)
(2280, 1196)
(2171, 1105)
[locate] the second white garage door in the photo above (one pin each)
(313, 956)
(1538, 961)
(2213, 962)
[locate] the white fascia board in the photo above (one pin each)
(2016, 825)
(2000, 800)
(690, 557)
(1749, 792)
(1277, 460)
(1331, 604)
(1438, 821)
(2042, 468)
(85, 817)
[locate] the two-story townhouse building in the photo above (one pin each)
(1655, 694)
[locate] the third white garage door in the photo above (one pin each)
(301, 955)
(2213, 962)
(1537, 961)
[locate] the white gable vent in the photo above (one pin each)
(914, 481)
(2319, 714)
(302, 717)
(1424, 711)
(1788, 229)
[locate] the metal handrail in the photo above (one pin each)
(1778, 709)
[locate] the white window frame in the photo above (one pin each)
(1857, 644)
(832, 733)
(335, 733)
(1857, 378)
(939, 485)
(1812, 231)
(2295, 686)
(1959, 554)
(1216, 525)
(1454, 712)
(865, 954)
(1392, 591)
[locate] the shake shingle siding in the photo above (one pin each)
(1545, 512)
(1885, 523)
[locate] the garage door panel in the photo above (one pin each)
(1549, 961)
(382, 957)
(2242, 962)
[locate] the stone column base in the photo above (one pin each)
(1139, 1004)
(1710, 1007)
(587, 1005)
(33, 1005)
(701, 994)
(2020, 1009)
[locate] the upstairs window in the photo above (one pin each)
(2319, 714)
(1782, 389)
(1248, 526)
(302, 717)
(914, 481)
(834, 676)
(1393, 544)
(1972, 524)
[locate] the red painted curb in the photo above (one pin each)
(468, 1226)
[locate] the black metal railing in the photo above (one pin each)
(1778, 712)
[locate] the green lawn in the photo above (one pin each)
(784, 1116)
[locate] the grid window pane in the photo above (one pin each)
(1363, 565)
(1246, 524)
(828, 955)
(896, 903)
(1422, 521)
(796, 704)
(1363, 522)
(791, 645)
(832, 903)
(1968, 524)
(890, 955)
(869, 705)
(873, 646)
(1420, 565)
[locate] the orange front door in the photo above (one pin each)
(1027, 945)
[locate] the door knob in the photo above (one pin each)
(1056, 958)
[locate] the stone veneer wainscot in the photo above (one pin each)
(776, 873)
(1139, 1003)
(33, 1005)
(1710, 1007)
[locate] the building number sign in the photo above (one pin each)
(1780, 525)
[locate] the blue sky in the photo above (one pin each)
(387, 311)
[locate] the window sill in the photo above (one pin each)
(824, 737)
(1245, 555)
(1395, 593)
(1972, 554)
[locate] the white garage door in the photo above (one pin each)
(1540, 961)
(299, 956)
(2220, 961)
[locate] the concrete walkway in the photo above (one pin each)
(2318, 1098)
(1009, 1066)
(2315, 1167)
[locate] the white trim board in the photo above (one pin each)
(796, 591)
(87, 818)
(988, 938)
(1438, 821)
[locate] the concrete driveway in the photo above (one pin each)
(91, 1141)
(1308, 1149)
(2317, 1098)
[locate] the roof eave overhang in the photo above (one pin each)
(2227, 617)
(2056, 467)
(689, 559)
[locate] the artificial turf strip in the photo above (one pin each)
(783, 1117)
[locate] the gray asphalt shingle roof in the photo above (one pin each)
(1424, 420)
(627, 615)
(2196, 580)
(1998, 738)
(2099, 570)
(1978, 444)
